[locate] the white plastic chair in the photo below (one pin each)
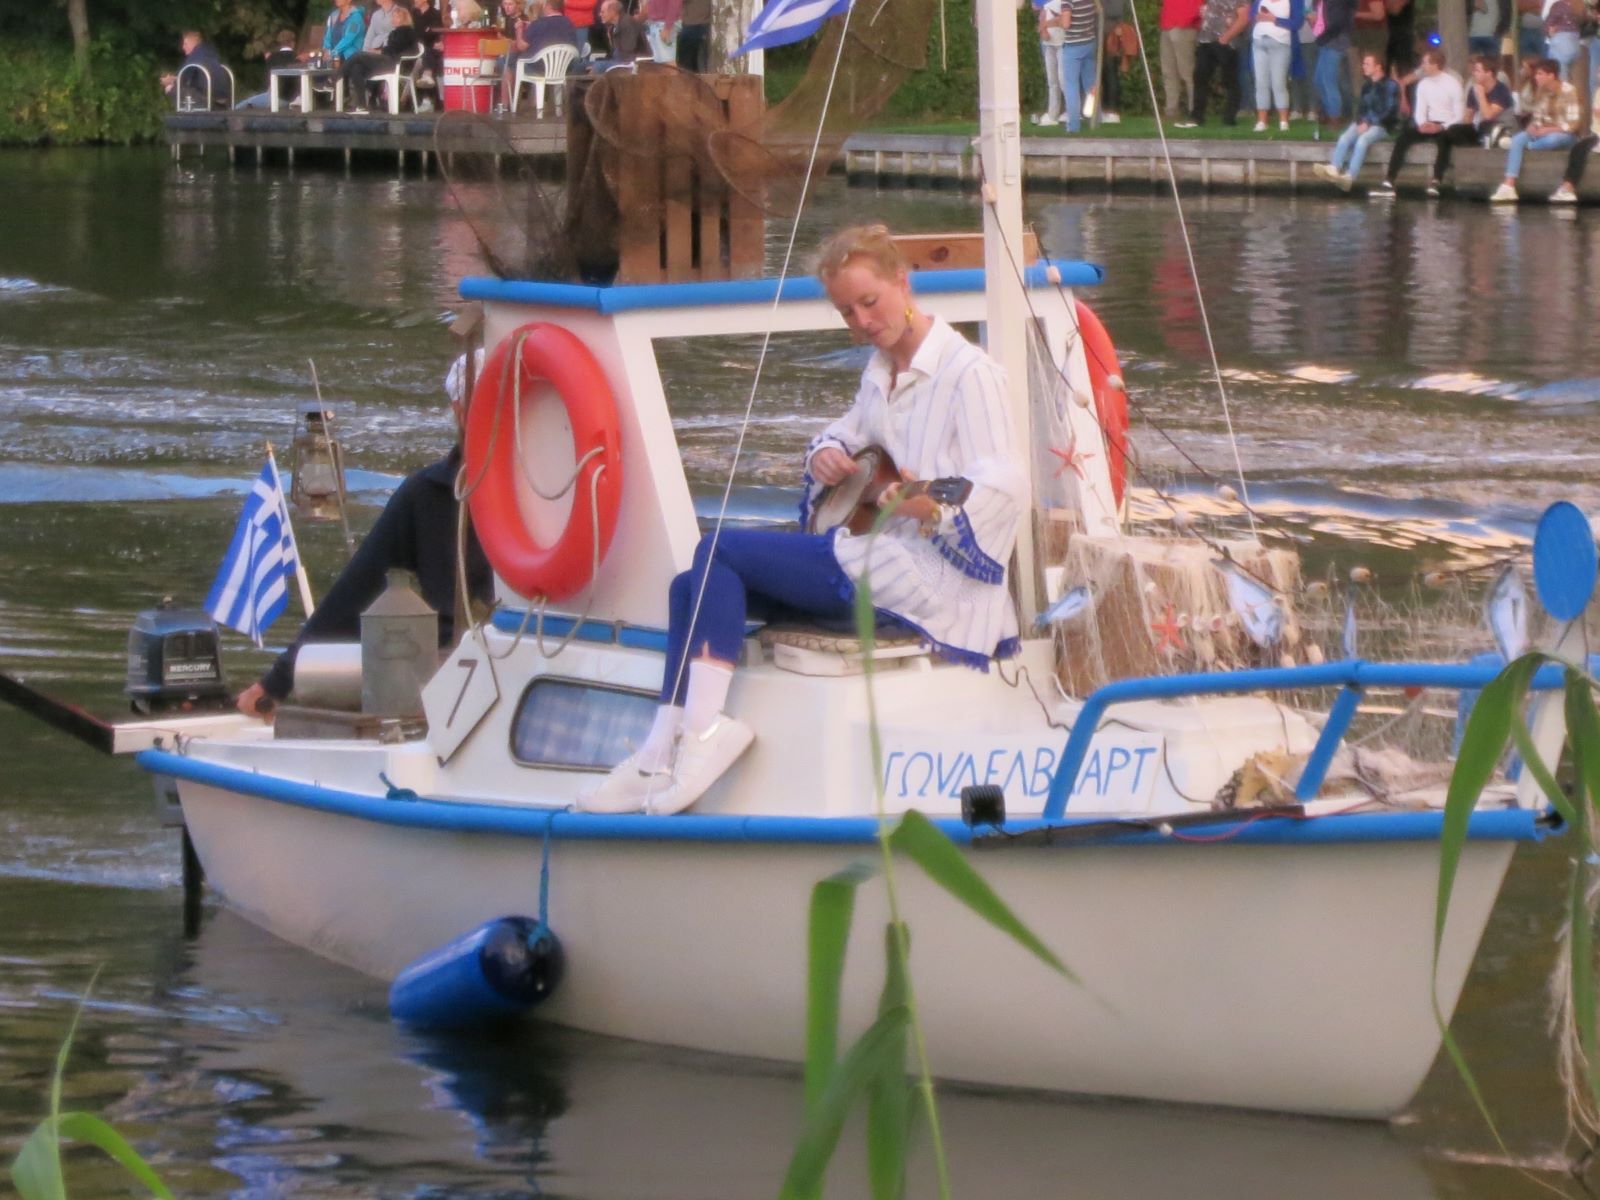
(548, 68)
(402, 74)
(177, 86)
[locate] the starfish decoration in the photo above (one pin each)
(1071, 458)
(1169, 631)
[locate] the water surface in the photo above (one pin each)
(1409, 384)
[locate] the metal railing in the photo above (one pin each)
(1354, 676)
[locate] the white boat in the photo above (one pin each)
(1269, 962)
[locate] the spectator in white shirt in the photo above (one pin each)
(1439, 115)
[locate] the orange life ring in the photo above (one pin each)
(548, 354)
(1110, 398)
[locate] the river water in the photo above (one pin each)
(1409, 385)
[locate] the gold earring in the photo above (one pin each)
(909, 314)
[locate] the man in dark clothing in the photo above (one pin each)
(694, 39)
(1221, 21)
(415, 532)
(284, 56)
(625, 38)
(197, 52)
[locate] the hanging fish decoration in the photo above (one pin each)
(1256, 606)
(1348, 638)
(1069, 607)
(1506, 614)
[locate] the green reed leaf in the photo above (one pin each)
(36, 1171)
(1483, 744)
(86, 1127)
(889, 1097)
(921, 840)
(833, 903)
(865, 1062)
(1583, 733)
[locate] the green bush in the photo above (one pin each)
(44, 100)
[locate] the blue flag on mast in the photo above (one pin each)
(785, 21)
(252, 585)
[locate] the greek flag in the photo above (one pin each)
(785, 21)
(252, 585)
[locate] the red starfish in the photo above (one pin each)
(1071, 457)
(1169, 631)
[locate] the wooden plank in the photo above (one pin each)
(638, 188)
(747, 224)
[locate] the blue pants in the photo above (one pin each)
(1522, 143)
(1350, 151)
(768, 573)
(1077, 80)
(1329, 76)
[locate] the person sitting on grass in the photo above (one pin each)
(358, 72)
(1578, 159)
(1552, 125)
(1377, 113)
(199, 53)
(1438, 115)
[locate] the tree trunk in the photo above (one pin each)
(1453, 35)
(78, 18)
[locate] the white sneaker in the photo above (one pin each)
(1563, 195)
(702, 760)
(1504, 194)
(1185, 125)
(1344, 181)
(1283, 127)
(625, 789)
(1110, 118)
(1324, 171)
(1046, 119)
(1261, 127)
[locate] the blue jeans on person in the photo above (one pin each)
(1077, 80)
(1329, 77)
(1563, 47)
(1352, 147)
(1522, 143)
(766, 573)
(1272, 59)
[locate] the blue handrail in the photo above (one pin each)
(1353, 675)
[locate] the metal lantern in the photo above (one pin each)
(316, 488)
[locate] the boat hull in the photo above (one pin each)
(1289, 977)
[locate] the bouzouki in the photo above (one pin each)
(853, 502)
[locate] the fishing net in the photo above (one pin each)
(671, 174)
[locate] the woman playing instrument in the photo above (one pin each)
(936, 403)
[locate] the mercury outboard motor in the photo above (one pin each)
(174, 661)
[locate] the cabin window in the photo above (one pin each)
(579, 726)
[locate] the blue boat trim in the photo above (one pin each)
(621, 298)
(1500, 825)
(1354, 675)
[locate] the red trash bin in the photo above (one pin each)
(463, 58)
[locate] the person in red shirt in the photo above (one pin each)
(1180, 28)
(581, 14)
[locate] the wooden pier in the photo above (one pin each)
(1092, 163)
(328, 135)
(1082, 163)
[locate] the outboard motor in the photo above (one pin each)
(175, 660)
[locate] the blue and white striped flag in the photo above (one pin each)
(252, 585)
(785, 21)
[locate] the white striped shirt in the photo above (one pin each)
(945, 415)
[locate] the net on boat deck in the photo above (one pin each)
(1185, 589)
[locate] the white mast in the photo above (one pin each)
(1000, 148)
